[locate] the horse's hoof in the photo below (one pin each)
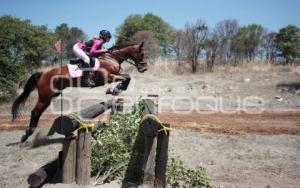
(24, 138)
(113, 92)
(116, 92)
(109, 91)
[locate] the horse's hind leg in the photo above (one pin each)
(36, 113)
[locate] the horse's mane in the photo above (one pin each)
(117, 47)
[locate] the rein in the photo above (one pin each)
(123, 59)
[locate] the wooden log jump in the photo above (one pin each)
(148, 162)
(74, 160)
(156, 145)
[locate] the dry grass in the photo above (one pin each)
(167, 68)
(242, 66)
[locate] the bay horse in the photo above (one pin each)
(50, 84)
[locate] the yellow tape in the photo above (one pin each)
(82, 124)
(155, 118)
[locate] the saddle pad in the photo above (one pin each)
(75, 71)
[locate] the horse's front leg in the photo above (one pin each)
(115, 78)
(125, 80)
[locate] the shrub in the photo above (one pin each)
(112, 149)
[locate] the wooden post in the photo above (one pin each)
(150, 107)
(149, 160)
(47, 171)
(76, 154)
(156, 147)
(119, 105)
(161, 158)
(65, 125)
(83, 157)
(69, 160)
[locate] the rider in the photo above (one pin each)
(94, 48)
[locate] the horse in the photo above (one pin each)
(50, 84)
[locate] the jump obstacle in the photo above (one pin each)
(74, 164)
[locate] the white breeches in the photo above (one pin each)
(80, 54)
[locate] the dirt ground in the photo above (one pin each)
(241, 124)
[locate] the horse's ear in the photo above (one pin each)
(141, 46)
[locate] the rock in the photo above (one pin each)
(247, 80)
(278, 98)
(205, 86)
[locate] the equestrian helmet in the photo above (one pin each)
(104, 34)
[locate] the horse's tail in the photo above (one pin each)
(30, 85)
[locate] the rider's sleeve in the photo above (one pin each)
(96, 48)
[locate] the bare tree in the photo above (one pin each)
(225, 31)
(196, 34)
(211, 48)
(179, 44)
(151, 44)
(269, 46)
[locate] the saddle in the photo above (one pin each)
(76, 65)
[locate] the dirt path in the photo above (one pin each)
(241, 161)
(267, 123)
(237, 150)
(230, 160)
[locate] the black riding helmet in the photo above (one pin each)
(104, 34)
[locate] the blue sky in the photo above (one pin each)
(93, 15)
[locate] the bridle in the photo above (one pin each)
(124, 59)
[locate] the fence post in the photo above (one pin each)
(83, 157)
(161, 158)
(150, 107)
(69, 160)
(76, 153)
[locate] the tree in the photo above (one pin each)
(179, 44)
(288, 42)
(131, 25)
(212, 47)
(149, 22)
(196, 34)
(246, 41)
(162, 31)
(225, 31)
(69, 36)
(269, 46)
(253, 40)
(62, 32)
(23, 47)
(75, 35)
(151, 44)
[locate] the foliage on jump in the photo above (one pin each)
(178, 175)
(112, 147)
(111, 152)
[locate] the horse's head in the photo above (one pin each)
(138, 56)
(134, 52)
